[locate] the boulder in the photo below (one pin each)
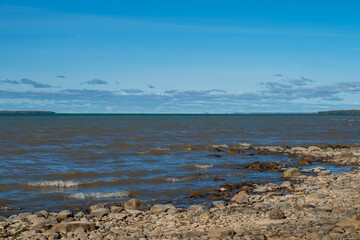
(299, 149)
(63, 215)
(134, 204)
(72, 226)
(241, 197)
(100, 212)
(160, 208)
(292, 172)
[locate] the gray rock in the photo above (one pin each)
(116, 209)
(100, 212)
(220, 203)
(72, 226)
(198, 209)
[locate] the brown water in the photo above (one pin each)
(64, 161)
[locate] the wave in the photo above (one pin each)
(58, 183)
(198, 166)
(100, 195)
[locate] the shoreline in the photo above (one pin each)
(323, 205)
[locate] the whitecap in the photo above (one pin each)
(100, 195)
(204, 166)
(57, 183)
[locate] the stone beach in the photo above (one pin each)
(309, 204)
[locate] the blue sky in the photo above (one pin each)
(179, 56)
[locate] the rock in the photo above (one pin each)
(260, 189)
(63, 215)
(160, 208)
(313, 149)
(276, 214)
(96, 206)
(292, 172)
(198, 209)
(241, 197)
(241, 175)
(195, 194)
(218, 179)
(3, 219)
(43, 213)
(215, 149)
(322, 209)
(299, 149)
(116, 209)
(134, 204)
(100, 212)
(221, 233)
(303, 161)
(350, 223)
(220, 203)
(286, 184)
(72, 226)
(266, 166)
(234, 151)
(7, 208)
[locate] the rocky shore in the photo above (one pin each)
(310, 204)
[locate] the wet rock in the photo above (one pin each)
(241, 175)
(241, 197)
(100, 212)
(221, 233)
(234, 151)
(218, 179)
(293, 172)
(266, 166)
(303, 161)
(9, 208)
(72, 226)
(276, 214)
(63, 215)
(134, 204)
(215, 149)
(195, 194)
(2, 218)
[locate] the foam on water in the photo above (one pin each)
(58, 183)
(100, 195)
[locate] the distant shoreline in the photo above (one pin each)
(332, 112)
(27, 113)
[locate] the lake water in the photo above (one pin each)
(64, 161)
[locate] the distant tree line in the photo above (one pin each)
(347, 112)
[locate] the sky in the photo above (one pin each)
(142, 56)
